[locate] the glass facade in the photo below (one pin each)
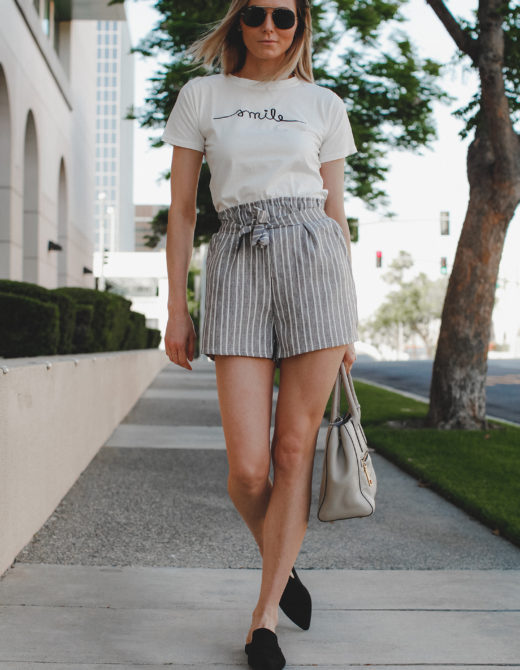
(108, 115)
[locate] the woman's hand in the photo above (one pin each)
(179, 339)
(349, 357)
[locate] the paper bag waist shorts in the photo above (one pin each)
(278, 281)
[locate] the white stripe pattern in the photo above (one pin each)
(278, 281)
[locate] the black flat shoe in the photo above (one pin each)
(263, 652)
(296, 602)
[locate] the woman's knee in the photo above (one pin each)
(249, 477)
(293, 454)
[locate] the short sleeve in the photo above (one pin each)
(182, 127)
(338, 141)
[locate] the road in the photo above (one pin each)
(502, 386)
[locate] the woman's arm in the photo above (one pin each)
(179, 339)
(333, 175)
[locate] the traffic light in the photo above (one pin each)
(444, 265)
(379, 259)
(445, 223)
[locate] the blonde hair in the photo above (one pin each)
(223, 45)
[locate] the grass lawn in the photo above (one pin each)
(477, 470)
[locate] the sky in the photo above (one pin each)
(419, 185)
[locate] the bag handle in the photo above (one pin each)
(348, 384)
(345, 378)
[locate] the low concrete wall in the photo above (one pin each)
(55, 414)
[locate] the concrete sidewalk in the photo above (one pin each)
(146, 563)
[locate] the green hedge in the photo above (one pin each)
(65, 304)
(28, 327)
(87, 321)
(83, 334)
(110, 317)
(136, 335)
(154, 338)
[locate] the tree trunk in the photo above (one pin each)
(457, 392)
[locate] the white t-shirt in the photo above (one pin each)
(260, 139)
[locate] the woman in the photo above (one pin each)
(280, 290)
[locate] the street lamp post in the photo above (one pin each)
(101, 198)
(112, 229)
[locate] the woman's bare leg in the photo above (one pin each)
(245, 391)
(277, 514)
(306, 382)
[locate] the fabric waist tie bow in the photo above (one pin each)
(259, 229)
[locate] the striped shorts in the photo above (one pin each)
(278, 281)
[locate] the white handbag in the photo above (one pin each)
(348, 481)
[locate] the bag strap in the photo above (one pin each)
(345, 379)
(336, 398)
(348, 384)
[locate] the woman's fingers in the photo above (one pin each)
(179, 340)
(349, 357)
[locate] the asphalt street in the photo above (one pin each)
(502, 385)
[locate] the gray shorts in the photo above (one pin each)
(278, 281)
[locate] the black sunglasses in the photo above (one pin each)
(253, 16)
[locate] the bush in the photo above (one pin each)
(87, 320)
(136, 336)
(153, 338)
(65, 304)
(83, 334)
(110, 316)
(28, 327)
